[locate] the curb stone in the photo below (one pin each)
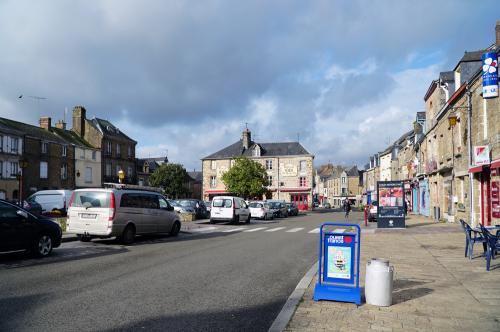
(286, 313)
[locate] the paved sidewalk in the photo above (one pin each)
(435, 287)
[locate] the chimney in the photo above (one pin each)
(497, 30)
(79, 116)
(45, 122)
(61, 124)
(246, 138)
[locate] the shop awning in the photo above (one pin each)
(476, 169)
(495, 164)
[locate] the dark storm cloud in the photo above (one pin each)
(178, 65)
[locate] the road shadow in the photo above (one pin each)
(254, 318)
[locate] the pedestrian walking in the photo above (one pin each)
(347, 208)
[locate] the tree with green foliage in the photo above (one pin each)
(246, 178)
(171, 178)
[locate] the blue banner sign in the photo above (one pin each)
(490, 75)
(338, 263)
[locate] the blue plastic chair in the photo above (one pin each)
(492, 244)
(466, 237)
(473, 236)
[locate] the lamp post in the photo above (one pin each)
(121, 176)
(452, 121)
(22, 165)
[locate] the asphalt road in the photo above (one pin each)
(222, 278)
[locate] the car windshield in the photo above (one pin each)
(222, 203)
(174, 203)
(276, 205)
(187, 203)
(255, 205)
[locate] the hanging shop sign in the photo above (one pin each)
(481, 155)
(490, 75)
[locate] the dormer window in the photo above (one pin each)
(256, 151)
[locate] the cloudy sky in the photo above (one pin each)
(343, 77)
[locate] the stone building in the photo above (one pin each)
(370, 178)
(117, 149)
(289, 168)
(344, 183)
(49, 158)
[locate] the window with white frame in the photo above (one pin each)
(14, 145)
(213, 164)
(213, 181)
(129, 172)
(45, 147)
(269, 164)
(88, 174)
(43, 170)
(118, 150)
(108, 169)
(302, 181)
(64, 171)
(270, 180)
(256, 151)
(343, 180)
(303, 165)
(14, 169)
(94, 154)
(109, 148)
(64, 150)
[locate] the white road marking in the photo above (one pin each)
(255, 229)
(293, 230)
(275, 229)
(203, 229)
(234, 229)
(316, 230)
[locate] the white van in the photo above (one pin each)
(120, 212)
(52, 200)
(228, 208)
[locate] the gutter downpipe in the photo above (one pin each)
(469, 143)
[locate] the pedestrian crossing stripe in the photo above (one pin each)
(316, 230)
(293, 230)
(234, 229)
(255, 229)
(203, 229)
(275, 229)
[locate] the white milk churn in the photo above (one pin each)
(378, 282)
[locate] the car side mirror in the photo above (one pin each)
(22, 214)
(170, 208)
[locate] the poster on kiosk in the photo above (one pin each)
(391, 204)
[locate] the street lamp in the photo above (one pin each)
(121, 176)
(452, 121)
(22, 165)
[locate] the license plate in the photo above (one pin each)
(88, 215)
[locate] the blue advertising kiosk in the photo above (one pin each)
(338, 263)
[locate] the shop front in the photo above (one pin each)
(487, 185)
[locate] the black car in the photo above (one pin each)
(199, 207)
(22, 230)
(292, 209)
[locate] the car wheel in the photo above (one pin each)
(176, 227)
(212, 221)
(83, 238)
(248, 219)
(236, 220)
(128, 235)
(42, 246)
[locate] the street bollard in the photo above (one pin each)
(366, 216)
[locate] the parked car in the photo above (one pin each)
(293, 210)
(52, 201)
(208, 205)
(327, 205)
(279, 209)
(22, 230)
(121, 213)
(197, 205)
(33, 207)
(315, 204)
(228, 208)
(372, 212)
(260, 210)
(179, 208)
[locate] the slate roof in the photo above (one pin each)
(447, 76)
(71, 137)
(197, 176)
(153, 164)
(267, 149)
(32, 131)
(353, 171)
(109, 129)
(473, 56)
